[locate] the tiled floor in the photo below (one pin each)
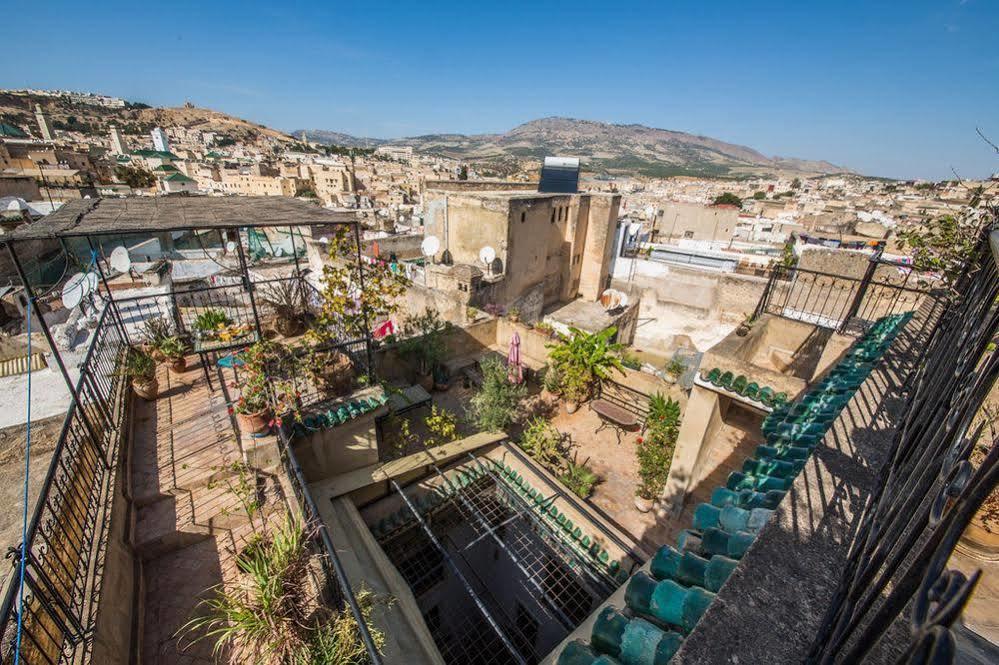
(191, 521)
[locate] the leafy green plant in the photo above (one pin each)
(172, 347)
(728, 198)
(579, 478)
(139, 365)
(655, 449)
(544, 443)
(495, 405)
(285, 297)
(154, 330)
(552, 380)
(630, 361)
(675, 368)
(211, 320)
(585, 360)
(443, 426)
(423, 340)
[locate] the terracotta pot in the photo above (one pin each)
(178, 364)
(643, 505)
(742, 330)
(288, 327)
(156, 354)
(146, 388)
(337, 377)
(254, 423)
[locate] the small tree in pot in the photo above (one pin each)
(141, 368)
(585, 360)
(285, 298)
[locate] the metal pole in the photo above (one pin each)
(865, 282)
(52, 346)
(111, 302)
(247, 282)
(367, 323)
(457, 571)
(563, 619)
(298, 268)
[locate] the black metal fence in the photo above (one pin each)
(67, 534)
(927, 493)
(841, 302)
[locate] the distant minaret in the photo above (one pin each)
(44, 126)
(118, 145)
(160, 140)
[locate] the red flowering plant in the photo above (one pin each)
(655, 455)
(267, 384)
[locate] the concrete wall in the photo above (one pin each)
(599, 247)
(680, 306)
(695, 221)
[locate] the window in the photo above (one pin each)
(688, 234)
(523, 217)
(554, 210)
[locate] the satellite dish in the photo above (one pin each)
(73, 290)
(487, 255)
(230, 246)
(91, 283)
(611, 299)
(120, 259)
(430, 245)
(324, 240)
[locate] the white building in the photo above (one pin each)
(160, 140)
(118, 144)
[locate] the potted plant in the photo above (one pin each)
(253, 408)
(745, 326)
(442, 378)
(645, 500)
(551, 383)
(154, 330)
(513, 314)
(544, 328)
(141, 368)
(674, 370)
(285, 298)
(173, 350)
(210, 323)
(585, 360)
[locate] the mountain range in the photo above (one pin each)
(603, 148)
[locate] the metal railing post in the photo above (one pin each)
(865, 283)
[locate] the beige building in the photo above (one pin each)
(549, 248)
(247, 184)
(332, 183)
(692, 221)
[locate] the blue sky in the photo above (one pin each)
(887, 88)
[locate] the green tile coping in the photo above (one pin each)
(742, 386)
(338, 413)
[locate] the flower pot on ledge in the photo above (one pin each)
(644, 505)
(177, 364)
(147, 389)
(254, 423)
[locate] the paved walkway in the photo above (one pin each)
(191, 499)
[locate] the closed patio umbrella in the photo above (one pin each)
(515, 371)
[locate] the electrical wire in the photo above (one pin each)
(24, 517)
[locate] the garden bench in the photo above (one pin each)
(614, 415)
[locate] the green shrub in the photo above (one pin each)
(494, 406)
(579, 478)
(212, 319)
(655, 449)
(544, 443)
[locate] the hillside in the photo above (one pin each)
(604, 147)
(134, 119)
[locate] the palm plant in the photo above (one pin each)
(579, 478)
(586, 359)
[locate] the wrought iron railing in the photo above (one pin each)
(927, 493)
(839, 302)
(67, 534)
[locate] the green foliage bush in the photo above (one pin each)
(579, 478)
(494, 407)
(655, 450)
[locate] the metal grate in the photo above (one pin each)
(479, 522)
